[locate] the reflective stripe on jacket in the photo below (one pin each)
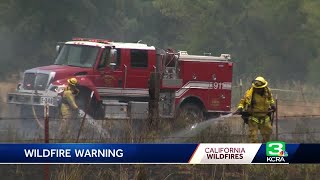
(262, 103)
(260, 120)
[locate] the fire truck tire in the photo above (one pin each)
(190, 114)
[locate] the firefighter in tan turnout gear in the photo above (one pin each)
(257, 105)
(69, 108)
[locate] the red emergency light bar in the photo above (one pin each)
(91, 40)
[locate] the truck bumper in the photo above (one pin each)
(33, 99)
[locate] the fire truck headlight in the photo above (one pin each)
(60, 89)
(56, 88)
(52, 87)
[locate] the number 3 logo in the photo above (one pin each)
(274, 148)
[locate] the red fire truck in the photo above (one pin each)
(119, 75)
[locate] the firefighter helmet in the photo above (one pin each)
(72, 81)
(259, 82)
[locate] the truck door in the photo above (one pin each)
(110, 72)
(138, 72)
(220, 91)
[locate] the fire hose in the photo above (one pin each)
(93, 123)
(82, 114)
(36, 118)
(245, 115)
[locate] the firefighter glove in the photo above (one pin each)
(239, 111)
(273, 108)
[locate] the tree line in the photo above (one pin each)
(276, 39)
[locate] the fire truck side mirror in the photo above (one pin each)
(58, 47)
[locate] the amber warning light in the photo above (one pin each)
(91, 40)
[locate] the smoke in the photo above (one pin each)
(7, 60)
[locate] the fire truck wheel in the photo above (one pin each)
(190, 114)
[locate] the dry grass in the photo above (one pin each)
(228, 131)
(221, 132)
(72, 172)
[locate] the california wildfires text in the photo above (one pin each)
(225, 156)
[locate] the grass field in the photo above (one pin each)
(230, 130)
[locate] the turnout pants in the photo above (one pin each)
(68, 126)
(263, 124)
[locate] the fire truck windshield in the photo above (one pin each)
(77, 55)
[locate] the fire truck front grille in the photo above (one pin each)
(33, 81)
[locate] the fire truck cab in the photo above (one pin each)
(125, 77)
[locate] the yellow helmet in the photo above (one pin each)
(259, 82)
(72, 81)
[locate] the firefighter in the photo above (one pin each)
(69, 108)
(257, 104)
